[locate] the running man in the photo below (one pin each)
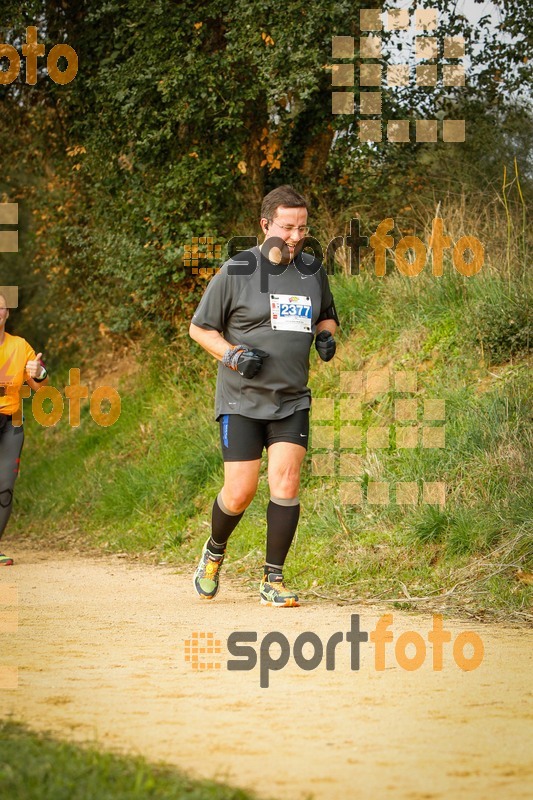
(18, 364)
(259, 319)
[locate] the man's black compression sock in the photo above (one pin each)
(223, 523)
(282, 519)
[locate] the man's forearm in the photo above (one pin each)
(36, 385)
(212, 341)
(326, 325)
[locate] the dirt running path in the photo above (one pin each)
(100, 649)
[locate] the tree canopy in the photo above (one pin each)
(182, 116)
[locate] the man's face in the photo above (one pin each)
(288, 225)
(4, 311)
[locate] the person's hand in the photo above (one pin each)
(250, 362)
(326, 345)
(34, 368)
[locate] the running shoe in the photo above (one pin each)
(273, 592)
(5, 561)
(206, 579)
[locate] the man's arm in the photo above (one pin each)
(212, 341)
(326, 325)
(246, 362)
(34, 368)
(37, 385)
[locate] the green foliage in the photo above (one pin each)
(431, 526)
(178, 121)
(503, 322)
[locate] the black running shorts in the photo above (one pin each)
(243, 438)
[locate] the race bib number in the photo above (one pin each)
(291, 312)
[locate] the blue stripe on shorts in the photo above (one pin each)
(225, 427)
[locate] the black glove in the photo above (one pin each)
(250, 362)
(326, 345)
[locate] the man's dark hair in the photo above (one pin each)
(282, 196)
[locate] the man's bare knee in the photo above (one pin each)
(236, 499)
(285, 489)
(285, 482)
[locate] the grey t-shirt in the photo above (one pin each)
(280, 320)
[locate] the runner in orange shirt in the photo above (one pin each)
(18, 364)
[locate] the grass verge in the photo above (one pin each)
(39, 767)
